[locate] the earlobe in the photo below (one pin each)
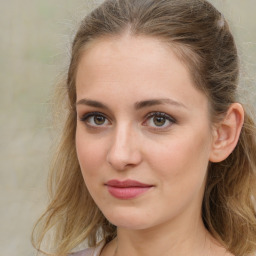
(226, 133)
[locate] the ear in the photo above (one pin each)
(226, 133)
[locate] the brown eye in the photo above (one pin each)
(95, 119)
(99, 120)
(159, 120)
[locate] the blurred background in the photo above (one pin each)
(34, 51)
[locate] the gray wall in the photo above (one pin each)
(35, 36)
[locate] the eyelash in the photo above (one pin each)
(160, 114)
(148, 117)
(86, 117)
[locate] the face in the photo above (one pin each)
(143, 133)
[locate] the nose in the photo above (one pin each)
(125, 149)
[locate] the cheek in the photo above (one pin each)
(182, 159)
(90, 153)
(180, 168)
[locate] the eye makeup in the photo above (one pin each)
(159, 120)
(155, 120)
(95, 119)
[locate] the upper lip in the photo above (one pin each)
(126, 183)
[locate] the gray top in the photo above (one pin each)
(94, 251)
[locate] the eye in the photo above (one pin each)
(95, 119)
(159, 120)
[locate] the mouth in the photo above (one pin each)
(127, 189)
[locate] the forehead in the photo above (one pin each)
(123, 44)
(141, 66)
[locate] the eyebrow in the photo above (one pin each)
(92, 103)
(154, 102)
(138, 105)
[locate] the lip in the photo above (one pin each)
(127, 189)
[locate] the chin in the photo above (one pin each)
(128, 220)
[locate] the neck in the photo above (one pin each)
(184, 235)
(163, 240)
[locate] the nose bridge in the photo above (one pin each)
(123, 136)
(124, 148)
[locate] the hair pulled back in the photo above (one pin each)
(200, 37)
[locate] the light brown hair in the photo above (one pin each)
(201, 38)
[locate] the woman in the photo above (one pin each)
(157, 156)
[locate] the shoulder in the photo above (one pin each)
(86, 252)
(93, 251)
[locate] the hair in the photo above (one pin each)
(199, 35)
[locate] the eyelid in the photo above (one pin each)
(86, 116)
(89, 114)
(161, 114)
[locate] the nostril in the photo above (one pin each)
(125, 149)
(120, 159)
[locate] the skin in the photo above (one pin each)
(126, 143)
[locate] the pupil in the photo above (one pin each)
(99, 120)
(159, 121)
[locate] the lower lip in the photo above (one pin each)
(128, 192)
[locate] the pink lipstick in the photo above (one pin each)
(127, 189)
